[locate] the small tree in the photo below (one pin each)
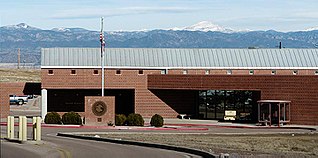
(135, 120)
(156, 120)
(52, 118)
(72, 118)
(120, 119)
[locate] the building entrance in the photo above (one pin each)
(213, 104)
(65, 100)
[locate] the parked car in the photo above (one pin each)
(19, 100)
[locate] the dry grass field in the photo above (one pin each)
(20, 75)
(260, 145)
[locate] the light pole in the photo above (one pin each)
(102, 46)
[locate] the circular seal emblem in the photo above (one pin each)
(99, 108)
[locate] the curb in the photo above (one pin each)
(114, 128)
(151, 145)
(241, 126)
(182, 127)
(15, 140)
(126, 128)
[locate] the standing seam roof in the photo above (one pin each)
(181, 58)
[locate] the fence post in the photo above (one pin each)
(20, 128)
(38, 128)
(24, 128)
(11, 127)
(8, 127)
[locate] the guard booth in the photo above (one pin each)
(273, 112)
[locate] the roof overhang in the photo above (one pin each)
(273, 101)
(189, 68)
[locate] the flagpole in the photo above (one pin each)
(102, 46)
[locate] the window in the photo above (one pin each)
(273, 72)
(50, 72)
(316, 72)
(118, 72)
(140, 72)
(229, 72)
(251, 72)
(73, 72)
(184, 72)
(207, 72)
(95, 72)
(164, 72)
(295, 72)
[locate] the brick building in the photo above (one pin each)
(202, 83)
(15, 88)
(6, 90)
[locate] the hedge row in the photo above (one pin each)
(137, 120)
(120, 119)
(68, 118)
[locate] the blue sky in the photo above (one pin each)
(281, 15)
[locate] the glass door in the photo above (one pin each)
(202, 105)
(210, 104)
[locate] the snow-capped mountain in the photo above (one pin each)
(205, 26)
(312, 29)
(63, 29)
(21, 26)
(60, 29)
(201, 35)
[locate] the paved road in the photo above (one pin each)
(9, 149)
(55, 146)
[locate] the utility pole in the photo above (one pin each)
(102, 50)
(19, 55)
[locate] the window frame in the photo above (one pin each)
(163, 71)
(73, 72)
(118, 72)
(207, 72)
(49, 72)
(95, 73)
(273, 72)
(140, 72)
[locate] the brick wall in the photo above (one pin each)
(149, 102)
(7, 89)
(145, 101)
(300, 90)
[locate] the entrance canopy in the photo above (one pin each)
(273, 111)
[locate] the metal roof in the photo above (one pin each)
(159, 58)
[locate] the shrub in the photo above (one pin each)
(135, 120)
(120, 119)
(156, 120)
(52, 118)
(72, 118)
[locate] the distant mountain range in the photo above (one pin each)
(202, 35)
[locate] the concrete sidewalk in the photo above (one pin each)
(191, 123)
(194, 122)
